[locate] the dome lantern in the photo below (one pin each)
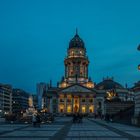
(76, 42)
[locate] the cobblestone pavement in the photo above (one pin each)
(63, 129)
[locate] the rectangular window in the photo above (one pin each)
(68, 100)
(61, 100)
(61, 108)
(54, 101)
(91, 109)
(69, 109)
(83, 109)
(91, 100)
(83, 100)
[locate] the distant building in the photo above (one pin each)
(50, 100)
(41, 88)
(136, 89)
(34, 100)
(20, 101)
(5, 99)
(111, 96)
(31, 104)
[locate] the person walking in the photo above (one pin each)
(74, 118)
(81, 118)
(34, 120)
(38, 120)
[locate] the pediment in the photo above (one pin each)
(76, 88)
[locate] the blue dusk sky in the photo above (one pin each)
(34, 37)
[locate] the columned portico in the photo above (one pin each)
(77, 106)
(76, 99)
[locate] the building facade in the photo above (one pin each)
(111, 94)
(5, 99)
(77, 98)
(136, 89)
(20, 102)
(76, 65)
(76, 92)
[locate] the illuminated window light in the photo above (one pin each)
(91, 109)
(83, 109)
(69, 109)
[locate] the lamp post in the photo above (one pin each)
(138, 48)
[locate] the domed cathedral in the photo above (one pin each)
(76, 92)
(76, 64)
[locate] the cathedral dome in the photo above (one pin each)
(136, 87)
(108, 84)
(76, 42)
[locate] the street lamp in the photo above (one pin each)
(139, 67)
(138, 48)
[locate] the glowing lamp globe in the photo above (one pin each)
(139, 67)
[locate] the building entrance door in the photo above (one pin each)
(76, 105)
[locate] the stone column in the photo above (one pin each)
(95, 104)
(87, 105)
(48, 103)
(80, 104)
(51, 104)
(58, 102)
(103, 108)
(65, 104)
(93, 98)
(10, 102)
(72, 103)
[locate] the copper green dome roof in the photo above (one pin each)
(76, 42)
(136, 87)
(108, 84)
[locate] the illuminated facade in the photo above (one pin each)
(76, 88)
(76, 98)
(76, 91)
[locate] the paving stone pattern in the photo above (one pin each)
(64, 129)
